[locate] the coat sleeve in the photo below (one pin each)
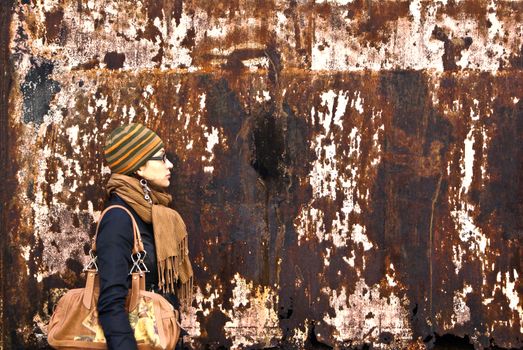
(114, 246)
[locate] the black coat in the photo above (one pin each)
(114, 246)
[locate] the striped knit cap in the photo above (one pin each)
(128, 147)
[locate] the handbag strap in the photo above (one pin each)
(90, 283)
(138, 279)
(137, 238)
(137, 286)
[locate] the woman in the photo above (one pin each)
(140, 174)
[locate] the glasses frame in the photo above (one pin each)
(163, 158)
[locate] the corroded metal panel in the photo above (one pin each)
(7, 146)
(349, 171)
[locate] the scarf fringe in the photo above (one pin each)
(173, 278)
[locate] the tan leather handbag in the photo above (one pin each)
(74, 323)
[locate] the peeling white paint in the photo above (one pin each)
(461, 312)
(189, 318)
(256, 63)
(101, 103)
(327, 178)
(341, 107)
(54, 257)
(26, 251)
(212, 140)
(263, 96)
(324, 176)
(40, 210)
(463, 213)
(457, 258)
(217, 31)
(510, 290)
(327, 100)
(187, 120)
(415, 10)
(253, 317)
(363, 315)
(484, 164)
(300, 337)
(469, 233)
(357, 103)
(376, 155)
(326, 258)
(391, 276)
(72, 133)
(203, 98)
(340, 230)
(148, 91)
(411, 45)
(309, 220)
(57, 187)
(208, 169)
(496, 32)
(335, 51)
(106, 170)
(467, 164)
(40, 277)
(350, 261)
(180, 56)
(334, 2)
(359, 237)
(325, 173)
(241, 291)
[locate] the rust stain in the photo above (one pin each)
(452, 46)
(8, 135)
(376, 18)
(53, 21)
(114, 60)
(468, 8)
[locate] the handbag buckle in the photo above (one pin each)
(92, 262)
(138, 263)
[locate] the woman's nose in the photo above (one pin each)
(168, 163)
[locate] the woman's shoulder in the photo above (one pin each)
(116, 211)
(115, 200)
(116, 219)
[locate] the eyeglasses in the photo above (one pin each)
(163, 158)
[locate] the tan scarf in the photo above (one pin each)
(170, 235)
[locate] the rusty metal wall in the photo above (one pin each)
(349, 171)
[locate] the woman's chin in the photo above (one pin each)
(161, 185)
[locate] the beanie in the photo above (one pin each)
(128, 147)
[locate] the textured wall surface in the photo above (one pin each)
(350, 171)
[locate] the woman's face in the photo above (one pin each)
(157, 172)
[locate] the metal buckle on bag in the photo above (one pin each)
(138, 263)
(92, 262)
